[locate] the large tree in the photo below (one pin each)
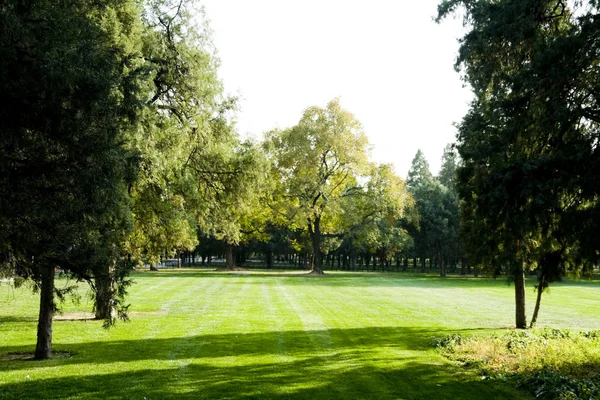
(529, 144)
(70, 98)
(185, 135)
(326, 182)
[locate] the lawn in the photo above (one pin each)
(202, 334)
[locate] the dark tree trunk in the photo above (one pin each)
(315, 233)
(443, 268)
(520, 315)
(229, 256)
(422, 259)
(269, 259)
(405, 265)
(462, 267)
(105, 294)
(240, 256)
(43, 347)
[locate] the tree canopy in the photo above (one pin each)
(529, 144)
(326, 182)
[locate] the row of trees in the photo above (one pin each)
(116, 144)
(118, 147)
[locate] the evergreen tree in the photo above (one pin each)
(67, 74)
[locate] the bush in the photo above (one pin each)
(550, 363)
(551, 385)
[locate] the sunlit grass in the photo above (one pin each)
(201, 334)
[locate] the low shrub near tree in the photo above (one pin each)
(549, 363)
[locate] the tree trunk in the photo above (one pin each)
(229, 256)
(269, 259)
(443, 268)
(43, 348)
(538, 301)
(315, 231)
(105, 294)
(520, 316)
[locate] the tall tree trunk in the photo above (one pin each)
(105, 294)
(315, 231)
(538, 301)
(229, 256)
(43, 347)
(520, 316)
(269, 259)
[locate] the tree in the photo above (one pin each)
(419, 173)
(67, 74)
(453, 247)
(447, 176)
(323, 171)
(529, 142)
(239, 214)
(184, 135)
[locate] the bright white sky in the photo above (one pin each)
(390, 64)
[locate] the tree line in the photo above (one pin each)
(119, 148)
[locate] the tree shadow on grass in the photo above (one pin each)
(310, 378)
(295, 343)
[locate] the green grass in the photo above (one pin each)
(201, 334)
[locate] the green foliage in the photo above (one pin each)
(449, 342)
(550, 363)
(529, 142)
(324, 181)
(67, 77)
(436, 231)
(550, 385)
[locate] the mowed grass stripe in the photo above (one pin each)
(201, 334)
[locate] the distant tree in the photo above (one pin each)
(419, 173)
(453, 246)
(447, 176)
(436, 230)
(238, 215)
(323, 171)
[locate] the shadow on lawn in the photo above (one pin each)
(297, 343)
(308, 378)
